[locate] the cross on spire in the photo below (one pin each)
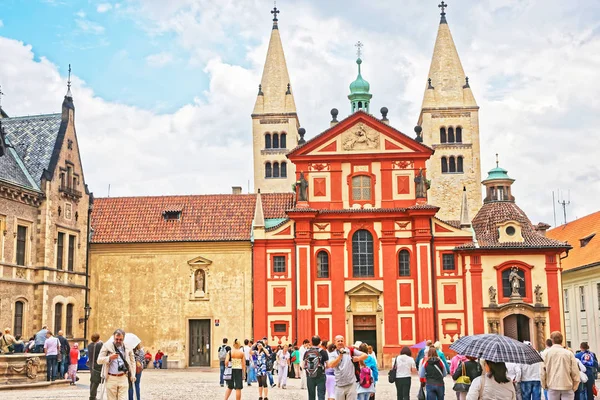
(358, 46)
(497, 162)
(275, 11)
(69, 81)
(443, 13)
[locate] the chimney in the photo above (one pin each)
(236, 190)
(542, 228)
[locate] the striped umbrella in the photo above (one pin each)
(496, 348)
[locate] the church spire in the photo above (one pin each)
(449, 85)
(359, 89)
(275, 94)
(464, 211)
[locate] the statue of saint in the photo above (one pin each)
(421, 185)
(515, 281)
(538, 294)
(302, 186)
(492, 293)
(200, 278)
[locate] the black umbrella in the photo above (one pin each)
(496, 348)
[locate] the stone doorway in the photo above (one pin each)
(199, 343)
(364, 315)
(516, 326)
(365, 329)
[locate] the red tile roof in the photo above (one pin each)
(492, 214)
(573, 233)
(221, 217)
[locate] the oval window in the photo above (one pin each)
(510, 231)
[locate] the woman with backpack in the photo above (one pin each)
(493, 385)
(366, 383)
(470, 368)
(434, 371)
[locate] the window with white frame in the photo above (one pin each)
(581, 298)
(566, 299)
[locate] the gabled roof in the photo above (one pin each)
(34, 140)
(204, 218)
(346, 123)
(584, 235)
(493, 214)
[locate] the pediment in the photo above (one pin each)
(199, 261)
(364, 289)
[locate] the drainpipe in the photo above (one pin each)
(433, 281)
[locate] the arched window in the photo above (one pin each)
(451, 135)
(362, 254)
(361, 187)
(275, 141)
(458, 134)
(443, 135)
(268, 141)
(69, 324)
(459, 164)
(404, 263)
(283, 141)
(444, 165)
(360, 105)
(58, 307)
(283, 169)
(275, 170)
(18, 325)
(452, 165)
(268, 170)
(506, 284)
(322, 264)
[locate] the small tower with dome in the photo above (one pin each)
(359, 96)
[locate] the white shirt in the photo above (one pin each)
(530, 373)
(247, 352)
(113, 366)
(513, 372)
(301, 351)
(404, 366)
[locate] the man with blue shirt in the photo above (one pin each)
(119, 367)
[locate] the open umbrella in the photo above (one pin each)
(496, 348)
(420, 345)
(131, 340)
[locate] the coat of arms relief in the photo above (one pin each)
(360, 137)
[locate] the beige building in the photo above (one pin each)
(44, 205)
(450, 122)
(274, 122)
(176, 271)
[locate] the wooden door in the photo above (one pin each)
(199, 343)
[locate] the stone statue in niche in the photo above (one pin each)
(422, 185)
(538, 294)
(302, 186)
(492, 293)
(515, 282)
(200, 282)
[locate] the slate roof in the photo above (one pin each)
(34, 138)
(204, 218)
(491, 214)
(13, 171)
(573, 233)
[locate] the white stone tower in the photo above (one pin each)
(274, 122)
(450, 121)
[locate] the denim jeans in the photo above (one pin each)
(270, 375)
(531, 390)
(363, 396)
(435, 392)
(222, 368)
(158, 364)
(316, 386)
(137, 387)
(51, 367)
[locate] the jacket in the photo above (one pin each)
(107, 350)
(433, 375)
(560, 370)
(492, 390)
(472, 369)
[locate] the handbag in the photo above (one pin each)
(138, 367)
(392, 373)
(227, 372)
(463, 382)
(595, 390)
(421, 394)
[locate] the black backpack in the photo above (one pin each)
(313, 365)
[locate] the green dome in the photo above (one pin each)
(498, 174)
(359, 86)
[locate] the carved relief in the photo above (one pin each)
(319, 167)
(321, 227)
(402, 165)
(30, 367)
(21, 273)
(360, 138)
(59, 276)
(403, 226)
(494, 325)
(70, 278)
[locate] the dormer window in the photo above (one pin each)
(584, 241)
(172, 215)
(510, 231)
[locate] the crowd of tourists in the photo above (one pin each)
(336, 371)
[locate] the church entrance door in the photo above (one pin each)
(516, 326)
(199, 343)
(365, 329)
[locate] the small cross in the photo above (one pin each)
(497, 160)
(69, 81)
(275, 12)
(443, 7)
(358, 46)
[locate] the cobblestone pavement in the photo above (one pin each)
(183, 384)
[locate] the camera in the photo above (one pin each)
(123, 368)
(343, 351)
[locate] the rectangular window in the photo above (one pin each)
(71, 252)
(69, 325)
(581, 298)
(361, 187)
(21, 244)
(279, 264)
(566, 300)
(57, 317)
(448, 262)
(60, 250)
(279, 328)
(18, 327)
(598, 294)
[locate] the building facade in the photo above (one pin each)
(44, 209)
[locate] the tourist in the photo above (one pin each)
(493, 385)
(434, 371)
(314, 363)
(590, 362)
(251, 371)
(18, 345)
(531, 388)
(581, 392)
(237, 358)
(371, 363)
(7, 342)
(119, 367)
(283, 363)
(372, 353)
(330, 373)
(468, 367)
(295, 360)
(95, 368)
(543, 355)
(423, 352)
(405, 366)
(514, 374)
(560, 373)
(246, 348)
(342, 363)
(223, 350)
(366, 383)
(438, 347)
(158, 359)
(40, 338)
(73, 357)
(30, 345)
(138, 356)
(147, 359)
(262, 358)
(51, 349)
(301, 351)
(64, 355)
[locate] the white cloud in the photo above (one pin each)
(1, 23)
(80, 14)
(88, 26)
(159, 60)
(104, 7)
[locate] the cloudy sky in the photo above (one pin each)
(164, 90)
